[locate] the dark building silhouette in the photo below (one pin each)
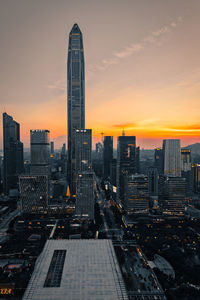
(75, 96)
(153, 181)
(40, 152)
(13, 163)
(107, 154)
(138, 159)
(136, 194)
(126, 162)
(159, 160)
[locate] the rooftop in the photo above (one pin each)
(77, 269)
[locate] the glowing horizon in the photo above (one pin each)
(142, 73)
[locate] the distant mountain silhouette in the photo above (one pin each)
(195, 148)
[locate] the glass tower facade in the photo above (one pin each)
(75, 96)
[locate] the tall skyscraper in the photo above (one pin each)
(75, 95)
(13, 163)
(172, 157)
(40, 152)
(107, 154)
(126, 162)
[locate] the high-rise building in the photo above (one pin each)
(159, 160)
(172, 157)
(126, 162)
(13, 163)
(33, 193)
(173, 197)
(196, 178)
(186, 160)
(85, 194)
(75, 95)
(52, 148)
(83, 150)
(153, 181)
(39, 152)
(107, 154)
(136, 194)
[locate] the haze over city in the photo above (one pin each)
(142, 67)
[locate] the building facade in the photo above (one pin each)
(33, 193)
(186, 164)
(173, 198)
(136, 194)
(13, 163)
(172, 157)
(40, 152)
(126, 162)
(107, 154)
(75, 96)
(85, 194)
(83, 150)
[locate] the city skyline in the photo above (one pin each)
(145, 81)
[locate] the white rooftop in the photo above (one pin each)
(80, 270)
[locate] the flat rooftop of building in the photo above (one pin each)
(77, 270)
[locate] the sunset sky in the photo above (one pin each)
(142, 60)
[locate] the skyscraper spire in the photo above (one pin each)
(75, 94)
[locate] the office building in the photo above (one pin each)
(85, 194)
(99, 150)
(173, 198)
(153, 181)
(136, 194)
(52, 148)
(75, 95)
(107, 154)
(159, 160)
(126, 162)
(13, 162)
(172, 157)
(196, 178)
(40, 152)
(186, 160)
(77, 270)
(137, 160)
(33, 193)
(83, 150)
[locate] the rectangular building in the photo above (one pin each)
(136, 194)
(76, 270)
(13, 162)
(174, 193)
(40, 152)
(83, 150)
(107, 154)
(126, 162)
(33, 193)
(85, 194)
(172, 157)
